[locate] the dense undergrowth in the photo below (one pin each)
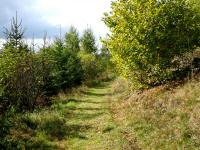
(43, 128)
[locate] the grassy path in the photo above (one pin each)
(83, 122)
(96, 129)
(99, 118)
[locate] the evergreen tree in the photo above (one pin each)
(88, 42)
(65, 68)
(104, 51)
(72, 40)
(15, 35)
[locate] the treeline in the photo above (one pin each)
(153, 42)
(27, 75)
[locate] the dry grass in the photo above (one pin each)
(162, 119)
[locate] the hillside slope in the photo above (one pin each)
(160, 118)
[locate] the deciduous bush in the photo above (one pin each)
(90, 66)
(20, 80)
(146, 36)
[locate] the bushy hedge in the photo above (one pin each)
(147, 35)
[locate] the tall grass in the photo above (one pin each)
(162, 118)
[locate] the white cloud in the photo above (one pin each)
(80, 13)
(1, 43)
(41, 16)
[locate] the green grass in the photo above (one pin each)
(107, 117)
(80, 122)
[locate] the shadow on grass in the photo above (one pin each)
(88, 93)
(86, 116)
(48, 130)
(40, 144)
(83, 101)
(61, 122)
(88, 109)
(56, 131)
(58, 128)
(102, 85)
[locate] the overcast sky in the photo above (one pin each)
(39, 16)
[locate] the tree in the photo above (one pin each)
(20, 71)
(88, 41)
(72, 40)
(15, 35)
(65, 68)
(104, 52)
(146, 36)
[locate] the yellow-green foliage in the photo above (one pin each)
(20, 79)
(146, 35)
(120, 85)
(162, 118)
(89, 64)
(94, 68)
(7, 66)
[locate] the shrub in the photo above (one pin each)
(147, 35)
(20, 79)
(90, 66)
